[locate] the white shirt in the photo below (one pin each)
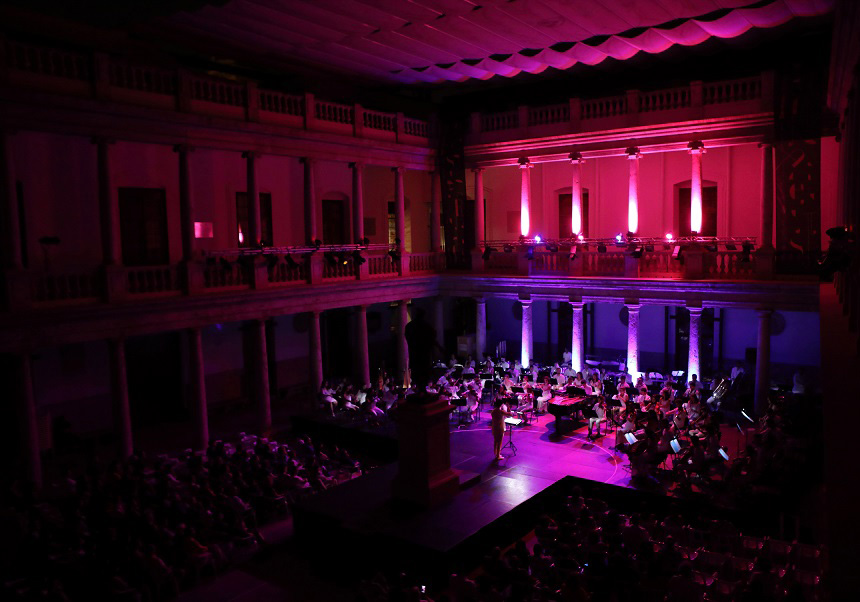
(567, 356)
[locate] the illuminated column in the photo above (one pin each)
(361, 343)
(402, 347)
(186, 201)
(400, 206)
(697, 149)
(197, 376)
(577, 344)
(108, 204)
(762, 362)
(316, 361)
(439, 322)
(480, 329)
(693, 354)
(28, 425)
(766, 196)
(119, 391)
(480, 232)
(633, 339)
(254, 234)
(525, 195)
(576, 225)
(261, 374)
(357, 202)
(435, 212)
(633, 191)
(310, 202)
(9, 203)
(526, 348)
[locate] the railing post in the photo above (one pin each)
(310, 111)
(184, 92)
(362, 272)
(764, 259)
(475, 125)
(632, 107)
(403, 264)
(631, 267)
(696, 92)
(315, 268)
(523, 118)
(114, 282)
(191, 274)
(401, 125)
(101, 76)
(252, 101)
(575, 114)
(358, 121)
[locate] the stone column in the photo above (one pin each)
(526, 347)
(28, 425)
(762, 362)
(197, 376)
(577, 344)
(480, 232)
(525, 196)
(262, 393)
(186, 201)
(357, 202)
(402, 347)
(693, 353)
(480, 329)
(400, 207)
(12, 257)
(310, 202)
(121, 406)
(576, 225)
(633, 192)
(108, 205)
(697, 149)
(767, 188)
(435, 212)
(255, 224)
(633, 339)
(361, 344)
(439, 322)
(316, 360)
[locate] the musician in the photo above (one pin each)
(515, 371)
(668, 391)
(567, 357)
(640, 383)
(737, 371)
(489, 367)
(504, 364)
(578, 380)
(693, 385)
(507, 383)
(629, 424)
(545, 395)
(596, 384)
(623, 398)
(643, 398)
(497, 422)
(470, 367)
(680, 420)
(600, 409)
(327, 394)
(622, 382)
(664, 405)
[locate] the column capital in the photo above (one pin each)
(764, 312)
(695, 311)
(577, 305)
(696, 147)
(362, 308)
(251, 155)
(524, 163)
(633, 152)
(765, 144)
(307, 160)
(356, 165)
(102, 140)
(632, 304)
(315, 313)
(398, 169)
(183, 148)
(480, 299)
(478, 170)
(575, 158)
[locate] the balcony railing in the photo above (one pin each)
(104, 77)
(696, 101)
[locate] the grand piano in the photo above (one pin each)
(566, 407)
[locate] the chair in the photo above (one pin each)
(778, 551)
(710, 562)
(749, 547)
(722, 591)
(808, 557)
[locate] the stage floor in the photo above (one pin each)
(540, 452)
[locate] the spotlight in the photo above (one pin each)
(357, 258)
(290, 261)
(730, 246)
(530, 253)
(573, 253)
(637, 252)
(601, 248)
(649, 248)
(676, 253)
(669, 236)
(552, 248)
(486, 254)
(618, 237)
(537, 239)
(331, 259)
(509, 248)
(712, 247)
(580, 237)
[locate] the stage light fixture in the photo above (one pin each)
(530, 252)
(730, 246)
(552, 248)
(357, 258)
(580, 237)
(486, 254)
(618, 237)
(509, 248)
(669, 236)
(342, 257)
(573, 253)
(676, 253)
(290, 261)
(537, 239)
(601, 248)
(712, 247)
(637, 252)
(331, 259)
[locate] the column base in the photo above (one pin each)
(192, 277)
(258, 273)
(115, 282)
(403, 264)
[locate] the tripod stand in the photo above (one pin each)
(511, 422)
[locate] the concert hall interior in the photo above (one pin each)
(429, 299)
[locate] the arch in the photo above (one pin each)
(681, 208)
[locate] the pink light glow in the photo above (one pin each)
(669, 236)
(524, 197)
(633, 191)
(580, 237)
(241, 236)
(696, 187)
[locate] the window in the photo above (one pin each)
(565, 210)
(143, 226)
(243, 212)
(709, 209)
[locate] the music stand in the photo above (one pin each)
(512, 422)
(575, 392)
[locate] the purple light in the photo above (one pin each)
(618, 237)
(537, 238)
(580, 237)
(669, 236)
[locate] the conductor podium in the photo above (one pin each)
(424, 475)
